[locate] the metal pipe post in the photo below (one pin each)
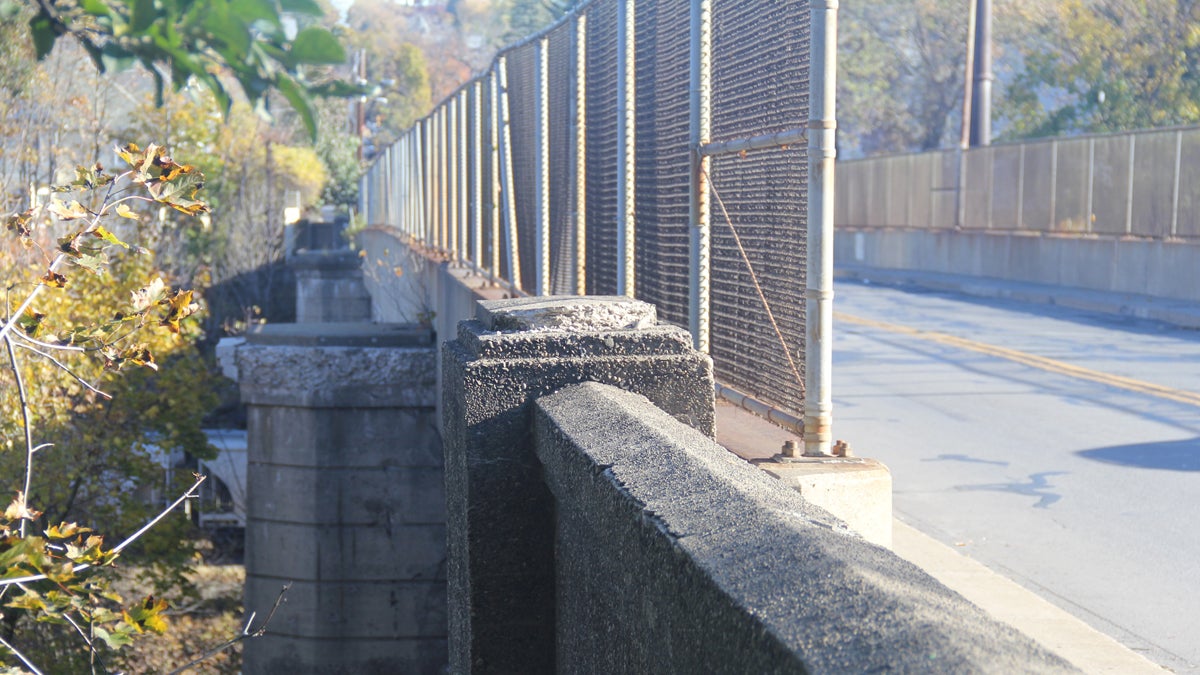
(463, 189)
(494, 121)
(581, 154)
(700, 209)
(426, 182)
(626, 136)
(542, 183)
(453, 171)
(818, 294)
(506, 179)
(477, 174)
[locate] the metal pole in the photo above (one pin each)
(1021, 189)
(463, 184)
(494, 115)
(423, 177)
(981, 108)
(431, 215)
(700, 212)
(1129, 188)
(581, 154)
(477, 175)
(626, 136)
(1175, 188)
(1088, 217)
(506, 179)
(542, 184)
(1051, 226)
(818, 294)
(453, 171)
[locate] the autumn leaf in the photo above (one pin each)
(65, 531)
(149, 295)
(71, 210)
(139, 355)
(21, 223)
(54, 279)
(101, 233)
(124, 211)
(31, 322)
(179, 307)
(148, 615)
(17, 510)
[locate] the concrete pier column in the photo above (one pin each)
(500, 514)
(345, 499)
(330, 287)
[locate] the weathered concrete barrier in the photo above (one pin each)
(597, 530)
(330, 287)
(500, 514)
(345, 499)
(692, 560)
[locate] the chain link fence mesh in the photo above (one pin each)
(1136, 184)
(759, 86)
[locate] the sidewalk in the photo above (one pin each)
(1177, 312)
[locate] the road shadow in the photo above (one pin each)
(1037, 486)
(1181, 455)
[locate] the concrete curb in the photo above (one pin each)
(1087, 648)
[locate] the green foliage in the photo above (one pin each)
(78, 327)
(182, 40)
(1107, 65)
(900, 74)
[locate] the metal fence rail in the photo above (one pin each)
(1136, 184)
(627, 150)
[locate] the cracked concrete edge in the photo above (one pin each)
(1056, 629)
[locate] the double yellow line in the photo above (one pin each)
(1050, 365)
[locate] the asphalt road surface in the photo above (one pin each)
(1058, 447)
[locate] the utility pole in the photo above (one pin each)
(981, 106)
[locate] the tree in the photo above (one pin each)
(900, 78)
(51, 568)
(1107, 65)
(184, 40)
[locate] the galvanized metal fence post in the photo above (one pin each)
(460, 237)
(477, 175)
(542, 183)
(699, 209)
(580, 110)
(452, 174)
(1175, 187)
(626, 137)
(1129, 185)
(506, 179)
(818, 294)
(494, 156)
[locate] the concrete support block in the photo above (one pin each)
(500, 520)
(345, 499)
(330, 287)
(856, 491)
(675, 556)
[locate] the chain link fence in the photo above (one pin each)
(575, 163)
(1140, 184)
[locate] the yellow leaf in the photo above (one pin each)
(124, 211)
(72, 210)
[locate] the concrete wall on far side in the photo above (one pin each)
(673, 555)
(1163, 269)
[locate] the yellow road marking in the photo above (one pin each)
(1127, 383)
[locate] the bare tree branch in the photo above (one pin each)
(246, 633)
